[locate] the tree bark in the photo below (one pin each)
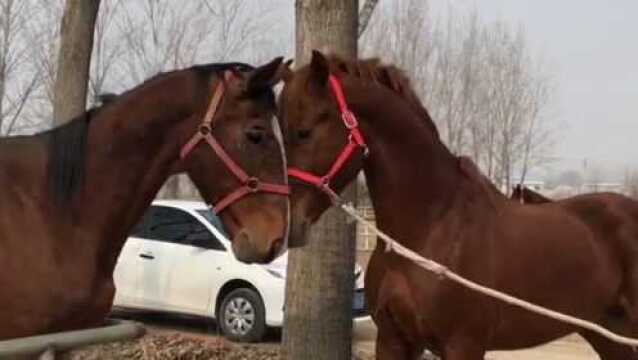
(318, 316)
(365, 15)
(74, 59)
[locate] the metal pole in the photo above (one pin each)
(116, 330)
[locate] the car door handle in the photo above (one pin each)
(147, 256)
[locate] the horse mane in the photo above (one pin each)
(67, 155)
(390, 76)
(67, 143)
(529, 196)
(471, 170)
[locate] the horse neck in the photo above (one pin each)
(409, 170)
(130, 153)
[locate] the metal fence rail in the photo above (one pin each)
(114, 330)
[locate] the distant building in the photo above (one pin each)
(561, 192)
(603, 187)
(536, 185)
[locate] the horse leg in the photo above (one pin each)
(607, 349)
(624, 320)
(463, 349)
(390, 346)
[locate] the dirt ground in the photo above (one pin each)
(171, 337)
(569, 348)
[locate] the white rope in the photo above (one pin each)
(442, 271)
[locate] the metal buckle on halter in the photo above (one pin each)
(366, 150)
(349, 120)
(364, 147)
(325, 182)
(205, 129)
(325, 187)
(253, 184)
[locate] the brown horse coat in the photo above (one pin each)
(579, 257)
(70, 196)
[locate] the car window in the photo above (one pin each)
(177, 226)
(201, 236)
(213, 220)
(140, 229)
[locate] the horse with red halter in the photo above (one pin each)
(580, 258)
(525, 195)
(70, 196)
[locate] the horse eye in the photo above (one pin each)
(255, 134)
(304, 134)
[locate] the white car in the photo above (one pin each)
(178, 260)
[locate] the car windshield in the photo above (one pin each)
(213, 220)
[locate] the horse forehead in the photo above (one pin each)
(293, 108)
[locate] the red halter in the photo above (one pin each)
(355, 141)
(249, 184)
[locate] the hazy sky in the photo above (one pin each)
(592, 50)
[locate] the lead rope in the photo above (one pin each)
(444, 272)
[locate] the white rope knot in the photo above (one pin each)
(441, 272)
(389, 246)
(350, 220)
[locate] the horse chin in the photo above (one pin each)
(248, 248)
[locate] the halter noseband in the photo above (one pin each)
(249, 184)
(355, 141)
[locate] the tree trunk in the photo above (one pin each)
(365, 15)
(74, 59)
(318, 317)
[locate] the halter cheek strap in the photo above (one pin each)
(355, 142)
(249, 184)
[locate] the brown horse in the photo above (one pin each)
(525, 195)
(579, 258)
(70, 196)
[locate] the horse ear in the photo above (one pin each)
(286, 72)
(319, 70)
(265, 76)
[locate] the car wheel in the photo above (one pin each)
(242, 317)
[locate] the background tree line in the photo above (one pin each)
(488, 91)
(133, 40)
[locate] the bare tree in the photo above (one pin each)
(595, 176)
(161, 35)
(402, 30)
(107, 50)
(631, 183)
(18, 78)
(74, 58)
(132, 41)
(480, 82)
(365, 14)
(43, 35)
(318, 323)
